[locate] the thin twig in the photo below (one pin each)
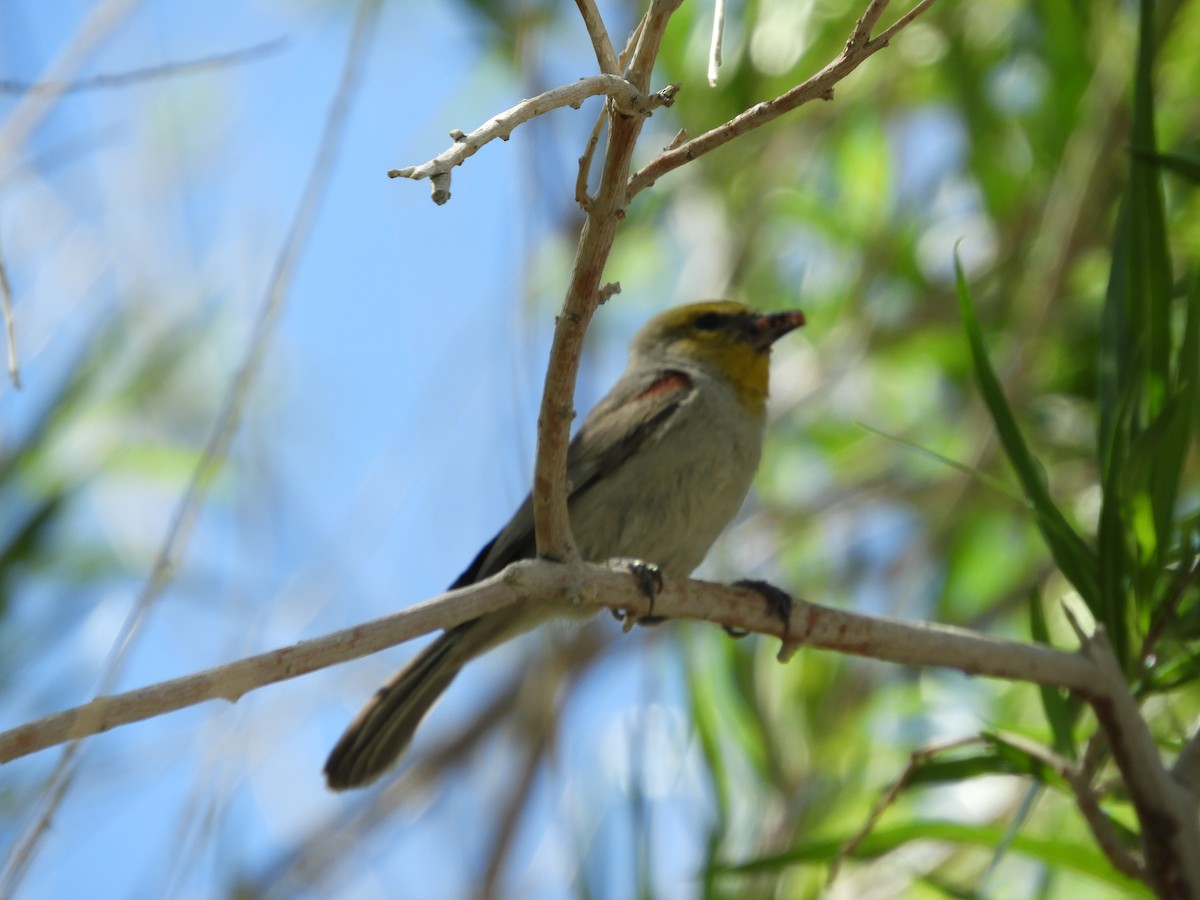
(606, 57)
(179, 531)
(858, 49)
(628, 99)
(589, 152)
(1088, 802)
(508, 817)
(148, 73)
(104, 18)
(915, 758)
(10, 329)
(585, 164)
(592, 584)
(901, 23)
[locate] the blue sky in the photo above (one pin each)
(389, 435)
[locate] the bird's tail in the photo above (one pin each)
(385, 726)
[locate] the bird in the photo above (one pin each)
(656, 471)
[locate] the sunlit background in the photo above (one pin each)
(389, 429)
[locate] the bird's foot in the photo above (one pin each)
(650, 580)
(778, 602)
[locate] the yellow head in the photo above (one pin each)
(728, 339)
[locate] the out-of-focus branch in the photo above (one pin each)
(212, 457)
(1088, 804)
(626, 97)
(859, 48)
(315, 860)
(147, 73)
(10, 328)
(104, 18)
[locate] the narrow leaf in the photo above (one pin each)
(1069, 551)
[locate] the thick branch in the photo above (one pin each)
(625, 96)
(858, 48)
(591, 584)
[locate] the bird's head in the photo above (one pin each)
(726, 339)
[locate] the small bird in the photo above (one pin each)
(656, 472)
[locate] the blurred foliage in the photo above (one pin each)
(1057, 143)
(993, 229)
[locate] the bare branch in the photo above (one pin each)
(102, 20)
(649, 39)
(627, 98)
(589, 152)
(590, 584)
(232, 681)
(605, 55)
(866, 22)
(149, 73)
(10, 331)
(585, 164)
(552, 525)
(858, 49)
(896, 27)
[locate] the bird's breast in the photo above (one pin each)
(668, 503)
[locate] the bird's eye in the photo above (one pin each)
(710, 321)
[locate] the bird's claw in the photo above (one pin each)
(650, 580)
(778, 602)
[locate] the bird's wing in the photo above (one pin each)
(633, 414)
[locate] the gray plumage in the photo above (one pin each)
(657, 470)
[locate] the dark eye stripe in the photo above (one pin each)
(711, 321)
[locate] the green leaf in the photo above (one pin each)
(1150, 261)
(1185, 166)
(1082, 858)
(1070, 552)
(983, 477)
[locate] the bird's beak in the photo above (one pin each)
(767, 329)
